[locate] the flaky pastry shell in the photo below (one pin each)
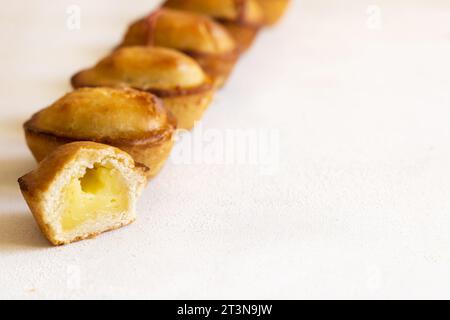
(46, 190)
(175, 78)
(131, 120)
(195, 35)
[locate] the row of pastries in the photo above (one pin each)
(99, 145)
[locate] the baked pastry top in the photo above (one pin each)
(83, 189)
(162, 71)
(273, 9)
(105, 115)
(184, 31)
(246, 12)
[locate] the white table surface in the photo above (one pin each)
(356, 206)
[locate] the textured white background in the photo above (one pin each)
(359, 207)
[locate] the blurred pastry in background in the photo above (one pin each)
(83, 189)
(175, 78)
(198, 36)
(242, 18)
(273, 9)
(131, 120)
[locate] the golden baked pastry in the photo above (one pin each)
(196, 35)
(83, 189)
(131, 120)
(273, 9)
(174, 77)
(242, 18)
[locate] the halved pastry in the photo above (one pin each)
(242, 18)
(273, 9)
(131, 120)
(174, 77)
(83, 189)
(196, 35)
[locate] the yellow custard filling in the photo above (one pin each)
(101, 191)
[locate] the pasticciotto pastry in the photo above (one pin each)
(273, 9)
(195, 35)
(177, 79)
(131, 120)
(83, 189)
(242, 18)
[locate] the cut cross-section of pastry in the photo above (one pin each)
(242, 18)
(198, 36)
(83, 189)
(174, 77)
(273, 9)
(134, 121)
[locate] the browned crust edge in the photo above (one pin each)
(161, 93)
(36, 210)
(23, 184)
(180, 92)
(232, 55)
(152, 138)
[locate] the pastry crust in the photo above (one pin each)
(131, 120)
(242, 18)
(177, 79)
(273, 9)
(43, 187)
(196, 35)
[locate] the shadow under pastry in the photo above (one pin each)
(18, 231)
(10, 169)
